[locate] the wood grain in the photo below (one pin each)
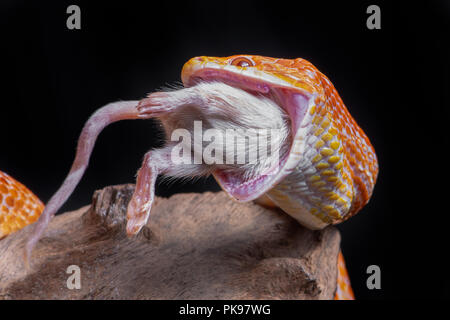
(195, 246)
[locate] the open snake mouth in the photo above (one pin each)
(292, 100)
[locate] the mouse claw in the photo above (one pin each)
(156, 104)
(140, 205)
(137, 216)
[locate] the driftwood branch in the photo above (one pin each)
(195, 246)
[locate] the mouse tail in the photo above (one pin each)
(104, 116)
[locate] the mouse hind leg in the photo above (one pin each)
(155, 162)
(139, 207)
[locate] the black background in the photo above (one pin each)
(395, 82)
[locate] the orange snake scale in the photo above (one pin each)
(19, 207)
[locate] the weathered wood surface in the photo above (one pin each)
(195, 246)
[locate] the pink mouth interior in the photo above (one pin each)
(293, 102)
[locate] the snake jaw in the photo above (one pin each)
(295, 103)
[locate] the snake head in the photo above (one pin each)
(330, 171)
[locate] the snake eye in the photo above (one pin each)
(242, 62)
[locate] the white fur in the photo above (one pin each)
(220, 106)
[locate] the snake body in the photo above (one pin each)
(19, 206)
(327, 176)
